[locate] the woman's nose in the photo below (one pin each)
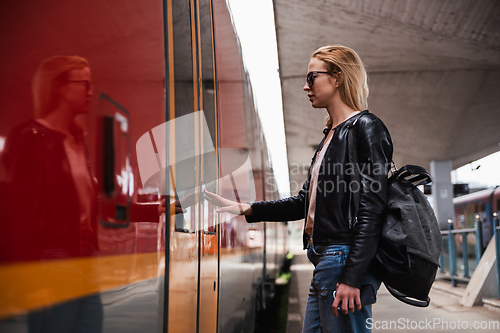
(306, 87)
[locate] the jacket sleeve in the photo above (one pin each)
(288, 209)
(374, 148)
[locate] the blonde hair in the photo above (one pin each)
(50, 75)
(345, 64)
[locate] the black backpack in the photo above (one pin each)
(408, 252)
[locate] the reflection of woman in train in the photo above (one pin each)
(51, 193)
(340, 248)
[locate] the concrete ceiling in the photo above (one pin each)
(433, 70)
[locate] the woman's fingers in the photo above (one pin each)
(358, 302)
(335, 306)
(212, 197)
(350, 305)
(218, 200)
(348, 296)
(226, 206)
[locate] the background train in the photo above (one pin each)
(483, 204)
(191, 270)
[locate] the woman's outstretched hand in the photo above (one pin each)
(228, 206)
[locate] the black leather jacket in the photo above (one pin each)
(331, 219)
(42, 208)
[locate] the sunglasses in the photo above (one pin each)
(87, 83)
(312, 75)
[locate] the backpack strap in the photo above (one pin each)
(405, 299)
(414, 174)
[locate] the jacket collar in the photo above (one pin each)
(351, 121)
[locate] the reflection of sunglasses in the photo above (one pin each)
(87, 83)
(312, 75)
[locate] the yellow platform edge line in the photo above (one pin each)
(29, 286)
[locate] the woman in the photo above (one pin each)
(51, 198)
(340, 248)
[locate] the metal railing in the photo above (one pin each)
(496, 231)
(450, 235)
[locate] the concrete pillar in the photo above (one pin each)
(442, 191)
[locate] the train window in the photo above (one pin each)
(461, 220)
(481, 208)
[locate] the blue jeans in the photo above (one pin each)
(328, 262)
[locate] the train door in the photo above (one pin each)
(182, 276)
(192, 153)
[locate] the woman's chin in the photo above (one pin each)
(316, 105)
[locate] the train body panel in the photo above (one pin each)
(480, 204)
(170, 112)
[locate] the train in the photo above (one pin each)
(170, 114)
(477, 205)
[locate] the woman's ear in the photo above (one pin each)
(334, 80)
(338, 77)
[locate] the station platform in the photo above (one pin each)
(444, 314)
